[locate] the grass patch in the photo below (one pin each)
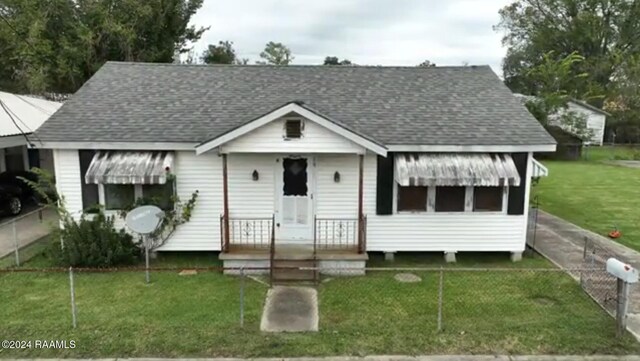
(595, 196)
(519, 312)
(609, 153)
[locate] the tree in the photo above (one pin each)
(549, 103)
(223, 53)
(603, 32)
(334, 60)
(276, 54)
(427, 64)
(56, 45)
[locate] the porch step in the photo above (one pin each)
(288, 271)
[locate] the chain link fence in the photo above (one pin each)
(594, 278)
(18, 233)
(404, 305)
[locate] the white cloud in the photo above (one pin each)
(372, 32)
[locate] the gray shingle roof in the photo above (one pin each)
(141, 102)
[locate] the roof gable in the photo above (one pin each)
(285, 110)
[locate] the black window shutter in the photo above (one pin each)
(516, 194)
(384, 190)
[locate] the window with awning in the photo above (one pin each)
(455, 170)
(123, 177)
(117, 167)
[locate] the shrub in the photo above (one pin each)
(93, 241)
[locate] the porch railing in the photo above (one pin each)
(336, 234)
(246, 233)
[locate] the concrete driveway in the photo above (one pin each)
(29, 227)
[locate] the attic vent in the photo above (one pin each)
(293, 129)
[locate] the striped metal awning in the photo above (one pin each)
(539, 170)
(129, 167)
(455, 169)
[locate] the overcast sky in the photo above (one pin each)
(367, 32)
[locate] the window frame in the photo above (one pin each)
(137, 194)
(503, 202)
(468, 209)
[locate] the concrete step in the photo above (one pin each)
(291, 263)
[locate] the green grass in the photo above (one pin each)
(608, 153)
(519, 312)
(595, 196)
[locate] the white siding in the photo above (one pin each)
(249, 198)
(595, 121)
(202, 173)
(269, 139)
(337, 200)
(67, 172)
(438, 231)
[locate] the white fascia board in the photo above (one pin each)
(473, 148)
(116, 145)
(13, 141)
(280, 112)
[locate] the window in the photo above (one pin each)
(89, 191)
(293, 129)
(487, 199)
(13, 159)
(412, 199)
(160, 195)
(118, 196)
(450, 199)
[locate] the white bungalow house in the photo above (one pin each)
(300, 162)
(20, 116)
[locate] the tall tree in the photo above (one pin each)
(604, 32)
(276, 54)
(223, 53)
(56, 45)
(334, 60)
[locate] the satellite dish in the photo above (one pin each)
(144, 219)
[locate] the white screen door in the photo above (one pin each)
(294, 193)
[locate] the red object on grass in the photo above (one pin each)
(615, 234)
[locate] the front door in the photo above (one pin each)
(294, 193)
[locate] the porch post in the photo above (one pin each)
(225, 197)
(360, 211)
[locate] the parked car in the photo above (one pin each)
(15, 193)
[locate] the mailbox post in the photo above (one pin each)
(626, 275)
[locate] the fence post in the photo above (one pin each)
(584, 262)
(440, 298)
(241, 296)
(15, 242)
(146, 258)
(621, 307)
(73, 299)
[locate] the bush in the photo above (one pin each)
(93, 241)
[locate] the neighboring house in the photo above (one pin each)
(596, 118)
(20, 116)
(333, 161)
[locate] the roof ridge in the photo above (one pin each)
(299, 66)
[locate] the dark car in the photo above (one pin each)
(15, 192)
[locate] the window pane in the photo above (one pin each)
(295, 177)
(118, 196)
(160, 195)
(13, 159)
(89, 191)
(412, 198)
(487, 199)
(450, 199)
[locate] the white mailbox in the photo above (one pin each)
(622, 270)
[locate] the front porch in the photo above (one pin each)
(337, 248)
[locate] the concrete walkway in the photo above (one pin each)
(381, 358)
(290, 309)
(563, 243)
(30, 227)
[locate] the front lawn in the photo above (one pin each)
(517, 312)
(594, 195)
